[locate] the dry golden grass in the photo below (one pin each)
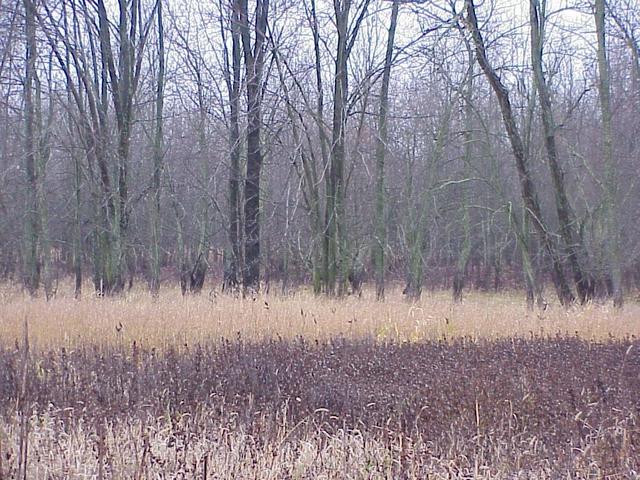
(175, 320)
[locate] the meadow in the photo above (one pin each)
(298, 386)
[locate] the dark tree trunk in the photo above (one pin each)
(233, 80)
(254, 63)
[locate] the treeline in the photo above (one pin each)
(440, 144)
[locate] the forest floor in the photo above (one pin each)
(298, 386)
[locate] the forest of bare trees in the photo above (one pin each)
(267, 144)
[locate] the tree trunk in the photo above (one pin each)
(124, 118)
(254, 64)
(534, 290)
(77, 228)
(183, 264)
(31, 268)
(198, 262)
(321, 270)
(380, 243)
(336, 256)
(44, 153)
(233, 85)
(612, 230)
(77, 186)
(158, 154)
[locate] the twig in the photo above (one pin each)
(1, 468)
(100, 451)
(145, 450)
(24, 432)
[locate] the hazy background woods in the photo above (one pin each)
(273, 143)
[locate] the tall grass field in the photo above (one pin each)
(302, 386)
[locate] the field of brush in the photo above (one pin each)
(295, 387)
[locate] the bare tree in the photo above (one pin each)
(335, 240)
(31, 270)
(94, 80)
(420, 219)
(527, 185)
(577, 255)
(381, 148)
(315, 130)
(465, 251)
(158, 154)
(612, 232)
(233, 73)
(124, 78)
(626, 16)
(254, 59)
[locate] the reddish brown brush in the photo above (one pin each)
(514, 407)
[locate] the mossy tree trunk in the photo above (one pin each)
(30, 252)
(158, 156)
(336, 254)
(612, 222)
(380, 241)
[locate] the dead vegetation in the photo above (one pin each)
(297, 387)
(173, 319)
(533, 408)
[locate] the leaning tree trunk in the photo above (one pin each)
(527, 185)
(577, 255)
